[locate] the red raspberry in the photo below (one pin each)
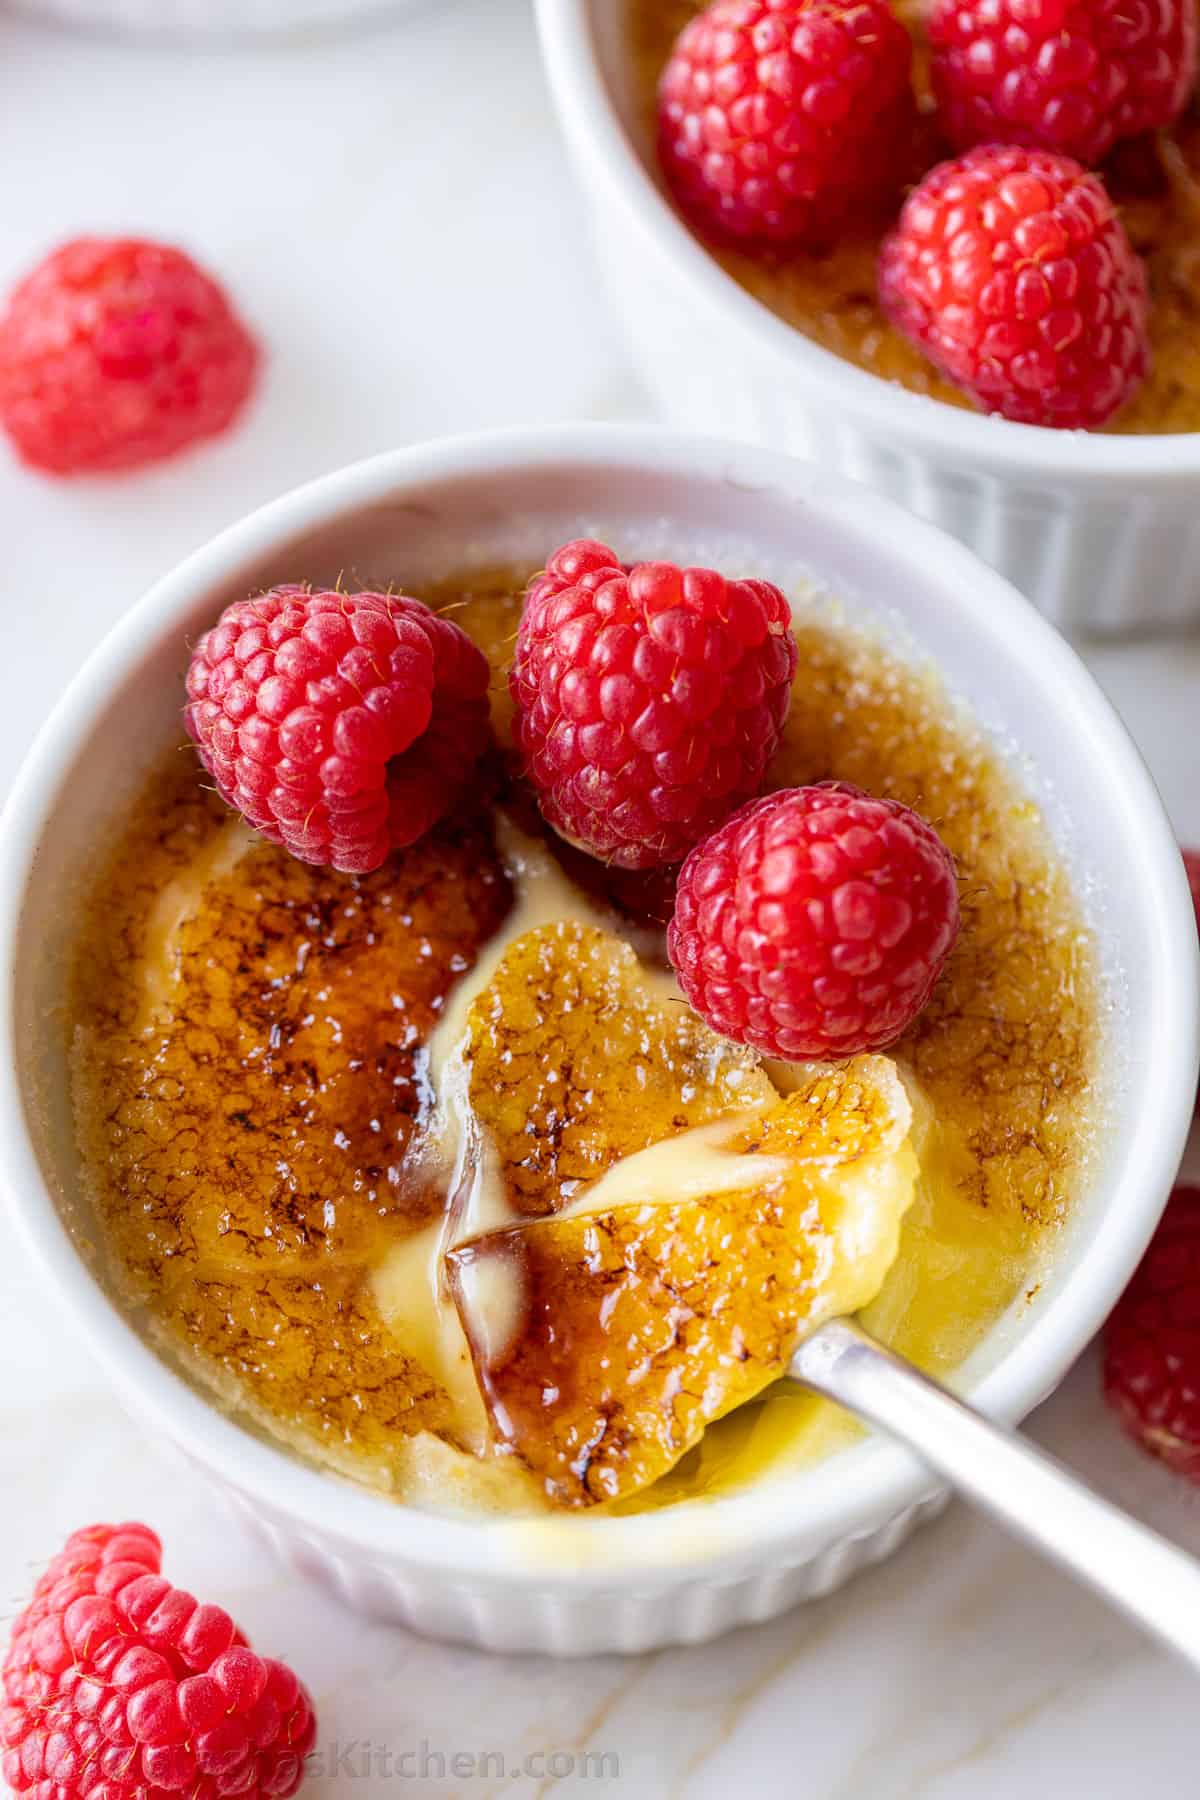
(1068, 75)
(1152, 1342)
(649, 699)
(118, 1686)
(116, 352)
(783, 121)
(342, 726)
(815, 922)
(1011, 270)
(1191, 862)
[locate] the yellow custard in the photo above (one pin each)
(289, 1146)
(832, 299)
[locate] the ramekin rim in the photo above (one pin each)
(944, 433)
(885, 1479)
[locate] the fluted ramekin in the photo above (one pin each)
(1101, 532)
(579, 1584)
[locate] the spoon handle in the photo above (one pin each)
(1140, 1573)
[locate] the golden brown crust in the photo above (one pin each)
(642, 1325)
(576, 1061)
(248, 1139)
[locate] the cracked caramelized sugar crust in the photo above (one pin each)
(831, 299)
(575, 1062)
(627, 1328)
(255, 1096)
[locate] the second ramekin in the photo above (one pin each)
(576, 1585)
(212, 21)
(1102, 533)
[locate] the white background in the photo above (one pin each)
(394, 215)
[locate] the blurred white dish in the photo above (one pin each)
(1101, 532)
(210, 19)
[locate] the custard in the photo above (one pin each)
(832, 298)
(372, 1153)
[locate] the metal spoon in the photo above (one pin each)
(1137, 1571)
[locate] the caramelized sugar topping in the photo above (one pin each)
(576, 1061)
(1004, 1051)
(250, 1079)
(634, 1326)
(832, 300)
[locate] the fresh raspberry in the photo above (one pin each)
(1152, 1342)
(118, 1686)
(116, 352)
(815, 922)
(1067, 75)
(784, 121)
(1191, 862)
(342, 726)
(1011, 270)
(649, 699)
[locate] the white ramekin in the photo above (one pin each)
(212, 20)
(1102, 533)
(587, 1584)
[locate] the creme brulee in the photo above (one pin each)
(340, 1129)
(832, 298)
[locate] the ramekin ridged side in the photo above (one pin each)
(626, 1620)
(1101, 532)
(587, 1584)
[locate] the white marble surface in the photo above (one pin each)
(394, 213)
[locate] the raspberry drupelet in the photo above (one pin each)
(649, 699)
(814, 922)
(1068, 75)
(342, 726)
(116, 352)
(1152, 1342)
(118, 1686)
(1011, 270)
(785, 121)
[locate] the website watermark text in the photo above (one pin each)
(362, 1759)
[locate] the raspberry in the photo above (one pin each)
(116, 352)
(815, 922)
(1067, 75)
(784, 121)
(1152, 1342)
(118, 1686)
(1011, 270)
(1191, 862)
(649, 699)
(342, 726)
